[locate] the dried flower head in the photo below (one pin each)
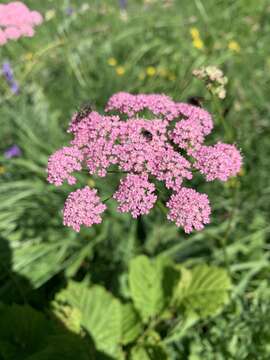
(214, 79)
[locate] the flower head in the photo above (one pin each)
(169, 166)
(120, 70)
(13, 151)
(151, 71)
(234, 46)
(196, 38)
(62, 163)
(112, 61)
(83, 207)
(16, 20)
(214, 79)
(149, 140)
(135, 195)
(191, 132)
(219, 161)
(189, 209)
(8, 74)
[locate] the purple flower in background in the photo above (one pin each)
(69, 11)
(7, 71)
(8, 74)
(14, 87)
(13, 151)
(123, 4)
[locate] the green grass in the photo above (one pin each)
(65, 65)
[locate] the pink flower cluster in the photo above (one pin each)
(148, 140)
(83, 207)
(189, 209)
(135, 195)
(16, 20)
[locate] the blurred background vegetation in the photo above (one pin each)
(84, 52)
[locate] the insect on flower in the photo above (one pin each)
(147, 135)
(84, 111)
(195, 100)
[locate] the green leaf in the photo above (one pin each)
(100, 314)
(131, 324)
(151, 285)
(23, 331)
(27, 334)
(203, 290)
(67, 347)
(145, 280)
(148, 352)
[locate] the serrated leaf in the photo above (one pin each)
(131, 324)
(148, 352)
(203, 289)
(101, 314)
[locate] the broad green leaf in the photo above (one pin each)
(151, 285)
(100, 314)
(27, 334)
(203, 289)
(29, 327)
(148, 352)
(145, 280)
(131, 324)
(66, 347)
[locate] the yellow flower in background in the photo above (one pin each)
(151, 71)
(234, 46)
(112, 61)
(2, 170)
(29, 56)
(232, 183)
(162, 72)
(50, 14)
(91, 183)
(141, 75)
(198, 43)
(194, 32)
(196, 38)
(241, 172)
(171, 77)
(120, 70)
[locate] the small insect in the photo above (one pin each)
(83, 112)
(195, 100)
(147, 135)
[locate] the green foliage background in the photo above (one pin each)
(47, 270)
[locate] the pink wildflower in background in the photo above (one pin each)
(16, 20)
(148, 139)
